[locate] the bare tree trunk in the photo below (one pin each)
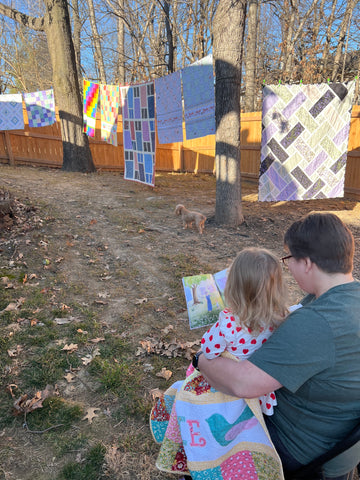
(344, 25)
(169, 36)
(76, 149)
(56, 24)
(99, 61)
(250, 61)
(76, 38)
(121, 44)
(229, 27)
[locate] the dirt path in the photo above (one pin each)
(115, 249)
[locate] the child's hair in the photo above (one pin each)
(255, 290)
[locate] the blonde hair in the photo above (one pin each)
(255, 290)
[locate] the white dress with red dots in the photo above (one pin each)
(227, 334)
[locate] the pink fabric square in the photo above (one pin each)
(143, 96)
(173, 430)
(239, 466)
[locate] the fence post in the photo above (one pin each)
(181, 157)
(9, 148)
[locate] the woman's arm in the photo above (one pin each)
(240, 379)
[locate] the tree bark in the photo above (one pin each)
(169, 37)
(121, 44)
(99, 61)
(229, 26)
(76, 38)
(56, 24)
(250, 61)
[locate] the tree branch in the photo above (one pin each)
(35, 23)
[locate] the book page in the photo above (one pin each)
(220, 280)
(203, 300)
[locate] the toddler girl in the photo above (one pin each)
(255, 299)
(202, 431)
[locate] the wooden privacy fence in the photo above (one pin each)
(43, 147)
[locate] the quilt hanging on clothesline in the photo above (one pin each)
(11, 112)
(109, 102)
(169, 116)
(90, 100)
(138, 113)
(40, 108)
(199, 100)
(305, 133)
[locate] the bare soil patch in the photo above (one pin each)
(108, 254)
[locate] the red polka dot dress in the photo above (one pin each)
(227, 334)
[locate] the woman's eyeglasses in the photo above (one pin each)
(285, 259)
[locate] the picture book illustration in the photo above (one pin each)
(204, 297)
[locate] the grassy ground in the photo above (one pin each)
(92, 311)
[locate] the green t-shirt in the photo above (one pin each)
(315, 355)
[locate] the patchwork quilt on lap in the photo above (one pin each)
(211, 435)
(305, 131)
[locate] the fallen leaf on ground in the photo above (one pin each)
(63, 321)
(14, 352)
(90, 414)
(164, 373)
(69, 377)
(10, 388)
(103, 295)
(139, 301)
(80, 330)
(167, 329)
(156, 393)
(14, 305)
(70, 348)
(25, 405)
(97, 340)
(90, 357)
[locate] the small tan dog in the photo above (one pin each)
(188, 218)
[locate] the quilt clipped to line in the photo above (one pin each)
(109, 102)
(90, 97)
(40, 108)
(305, 132)
(199, 100)
(169, 116)
(11, 112)
(138, 112)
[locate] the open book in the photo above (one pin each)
(204, 297)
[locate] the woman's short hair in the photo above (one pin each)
(323, 238)
(255, 290)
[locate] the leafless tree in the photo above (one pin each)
(56, 25)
